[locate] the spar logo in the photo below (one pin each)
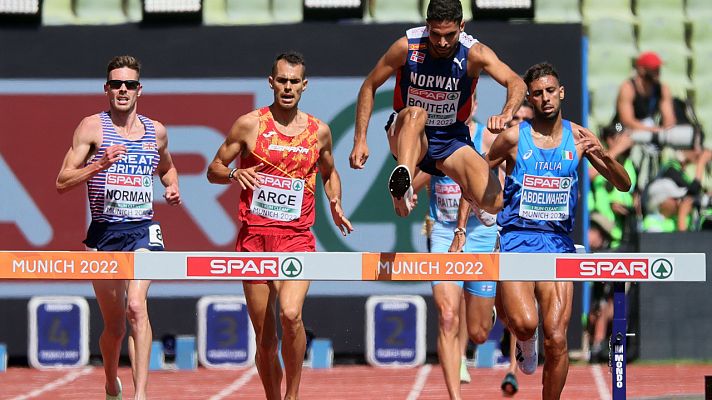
(277, 181)
(447, 188)
(599, 268)
(239, 267)
(128, 180)
(661, 268)
(546, 182)
(291, 267)
(432, 95)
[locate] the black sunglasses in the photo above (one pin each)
(116, 84)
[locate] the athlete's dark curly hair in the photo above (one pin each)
(537, 71)
(444, 10)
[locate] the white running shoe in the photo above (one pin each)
(464, 373)
(401, 190)
(483, 216)
(527, 357)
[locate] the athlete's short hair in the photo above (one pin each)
(293, 58)
(540, 70)
(444, 10)
(121, 62)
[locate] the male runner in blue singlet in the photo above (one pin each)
(436, 68)
(116, 153)
(540, 194)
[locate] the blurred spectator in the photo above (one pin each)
(668, 207)
(609, 203)
(600, 233)
(644, 109)
(690, 169)
(644, 98)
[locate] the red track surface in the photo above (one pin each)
(360, 382)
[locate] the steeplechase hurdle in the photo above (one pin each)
(615, 267)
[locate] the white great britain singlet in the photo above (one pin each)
(124, 191)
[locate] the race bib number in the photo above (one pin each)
(440, 106)
(128, 195)
(279, 198)
(155, 236)
(545, 198)
(447, 200)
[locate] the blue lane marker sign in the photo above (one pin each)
(395, 331)
(59, 332)
(226, 338)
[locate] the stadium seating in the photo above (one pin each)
(100, 12)
(672, 10)
(287, 11)
(237, 12)
(698, 9)
(557, 11)
(58, 12)
(609, 32)
(603, 101)
(660, 33)
(616, 9)
(385, 11)
(701, 62)
(701, 35)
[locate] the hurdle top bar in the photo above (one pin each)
(82, 265)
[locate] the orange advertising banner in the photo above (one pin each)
(429, 267)
(66, 265)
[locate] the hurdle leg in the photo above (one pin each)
(617, 346)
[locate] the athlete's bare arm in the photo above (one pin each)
(166, 169)
(330, 178)
(390, 62)
(459, 239)
(667, 110)
(87, 139)
(504, 150)
(589, 146)
(481, 57)
(239, 142)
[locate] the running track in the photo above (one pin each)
(354, 382)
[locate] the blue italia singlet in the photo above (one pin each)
(541, 192)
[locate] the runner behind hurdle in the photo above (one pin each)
(116, 152)
(280, 150)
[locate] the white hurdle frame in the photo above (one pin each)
(614, 267)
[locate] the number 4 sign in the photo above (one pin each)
(59, 332)
(395, 331)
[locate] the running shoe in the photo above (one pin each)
(483, 216)
(401, 190)
(527, 356)
(464, 373)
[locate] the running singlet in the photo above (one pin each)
(285, 198)
(542, 190)
(445, 193)
(124, 191)
(439, 85)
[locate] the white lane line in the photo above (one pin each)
(603, 392)
(236, 385)
(69, 377)
(420, 380)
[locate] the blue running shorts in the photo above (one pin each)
(124, 236)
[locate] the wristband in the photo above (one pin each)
(460, 230)
(231, 175)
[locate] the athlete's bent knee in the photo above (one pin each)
(449, 320)
(414, 114)
(291, 317)
(556, 343)
(136, 310)
(523, 328)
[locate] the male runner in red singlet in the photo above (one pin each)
(280, 150)
(116, 153)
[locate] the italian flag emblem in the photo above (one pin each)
(568, 155)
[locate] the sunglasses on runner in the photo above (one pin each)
(130, 85)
